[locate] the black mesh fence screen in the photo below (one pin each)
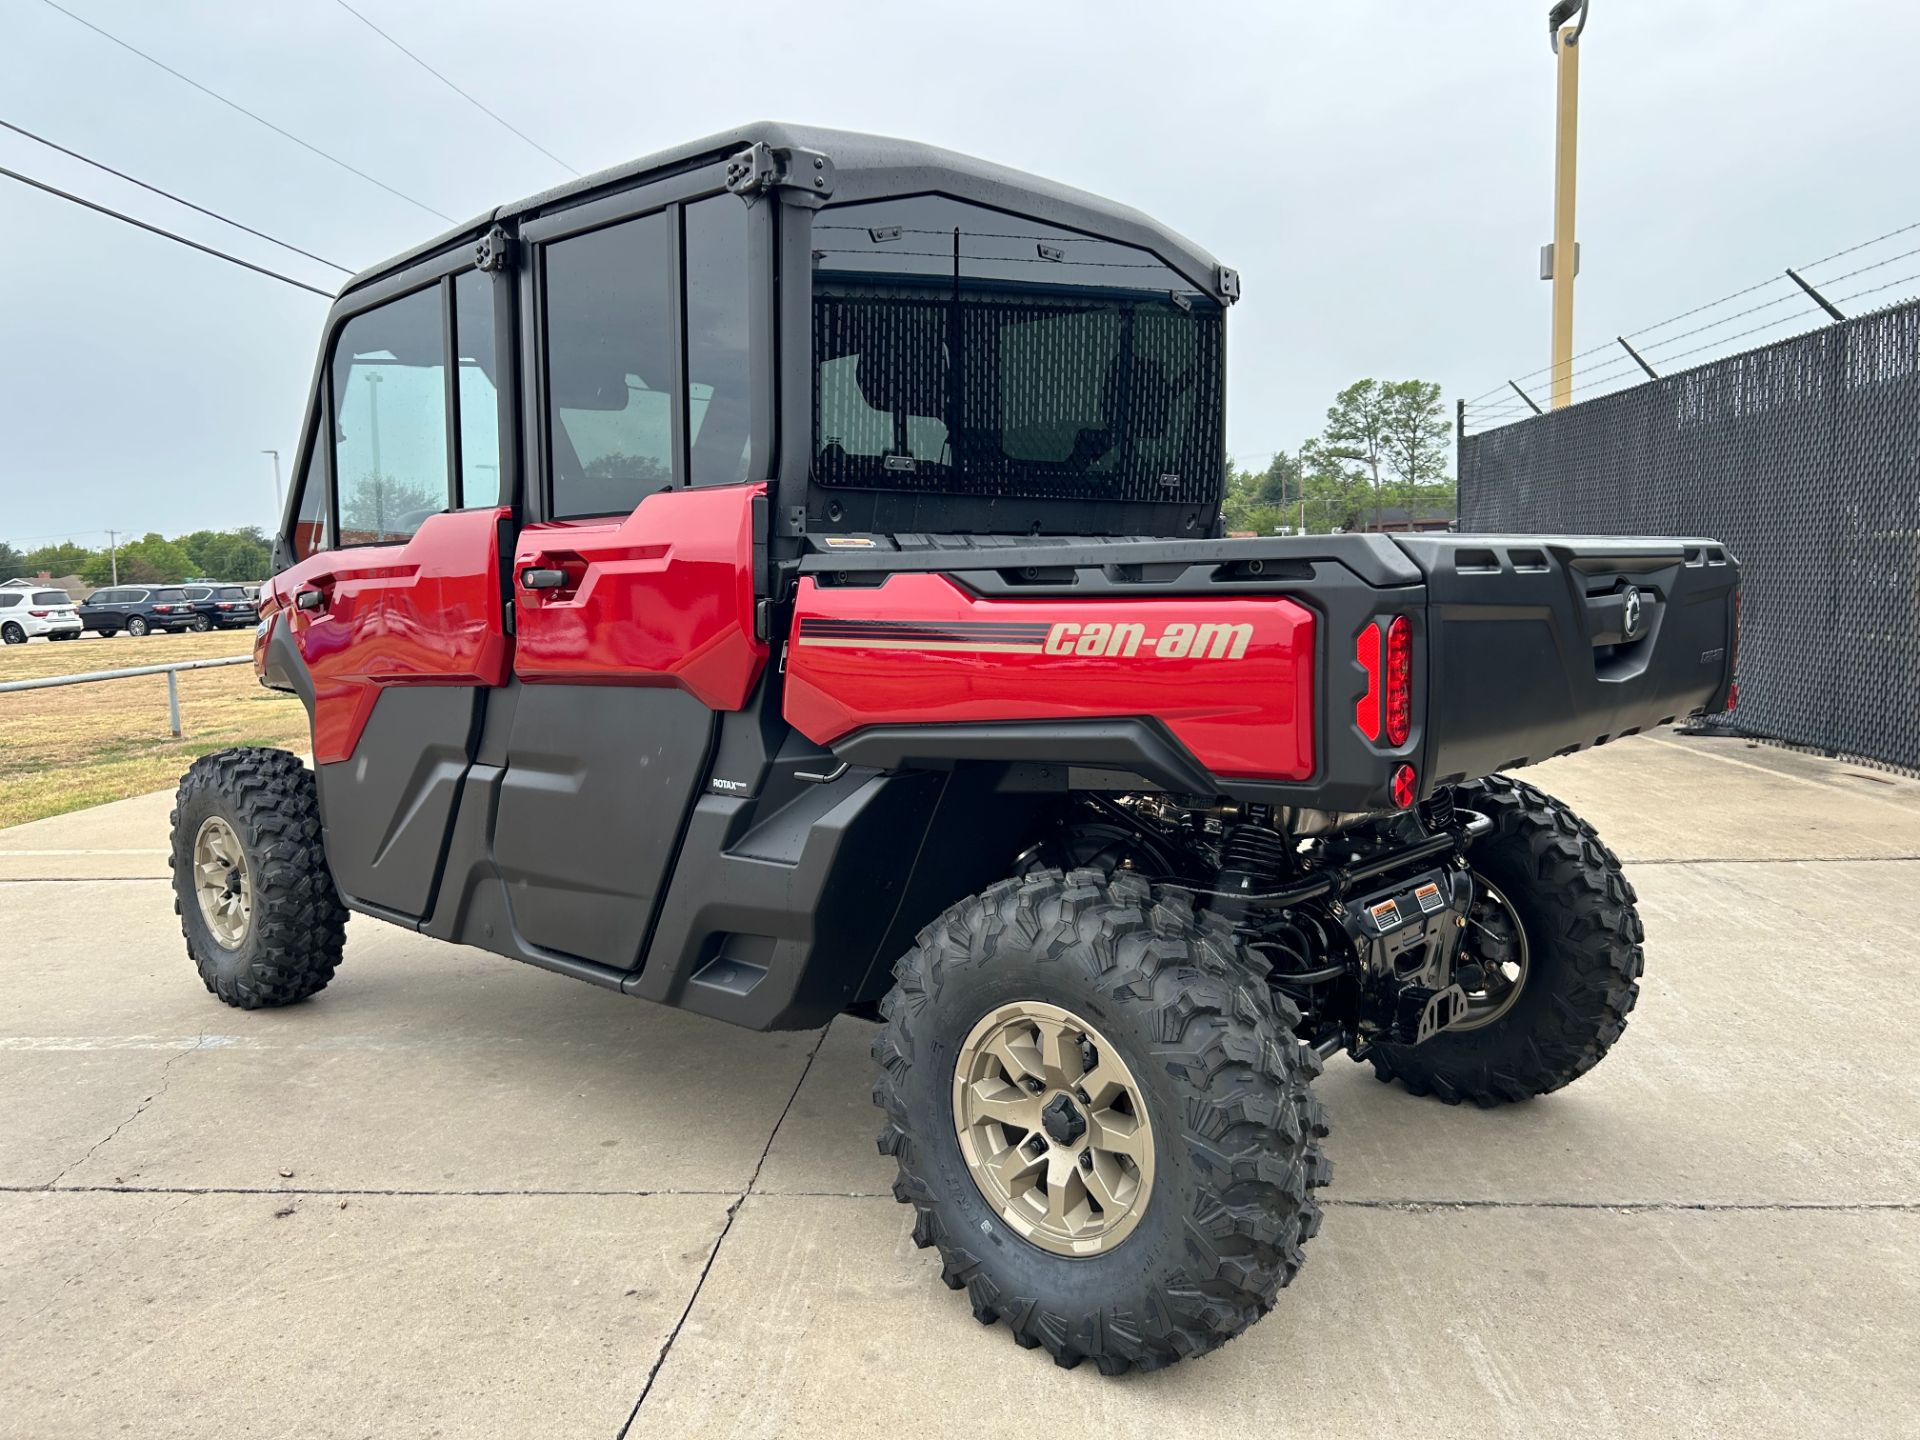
(1804, 458)
(1055, 398)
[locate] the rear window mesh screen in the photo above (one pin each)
(1004, 394)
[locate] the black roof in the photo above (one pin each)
(865, 167)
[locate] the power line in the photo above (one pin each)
(256, 118)
(168, 234)
(493, 115)
(155, 189)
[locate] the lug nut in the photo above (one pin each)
(1080, 1094)
(1086, 1160)
(1032, 1083)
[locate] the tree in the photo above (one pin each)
(66, 558)
(1333, 493)
(1357, 429)
(1417, 432)
(154, 560)
(381, 506)
(235, 555)
(12, 562)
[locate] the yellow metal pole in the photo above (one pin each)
(1565, 253)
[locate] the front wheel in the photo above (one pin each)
(1101, 1117)
(262, 920)
(1550, 963)
(136, 627)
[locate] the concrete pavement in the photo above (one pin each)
(453, 1195)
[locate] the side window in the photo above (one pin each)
(719, 379)
(390, 419)
(610, 343)
(312, 524)
(479, 391)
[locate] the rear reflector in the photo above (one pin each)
(1406, 786)
(1399, 680)
(1366, 714)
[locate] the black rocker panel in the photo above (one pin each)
(388, 807)
(591, 806)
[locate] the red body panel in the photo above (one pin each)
(1232, 678)
(426, 612)
(661, 597)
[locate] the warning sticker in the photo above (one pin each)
(1429, 897)
(1386, 914)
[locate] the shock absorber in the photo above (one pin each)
(1254, 860)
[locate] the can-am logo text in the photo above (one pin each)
(1127, 639)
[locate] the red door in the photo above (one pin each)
(425, 612)
(664, 596)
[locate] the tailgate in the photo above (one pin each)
(1542, 645)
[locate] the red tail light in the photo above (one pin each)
(1399, 680)
(1406, 786)
(1366, 650)
(39, 614)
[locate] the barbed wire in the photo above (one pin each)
(1491, 407)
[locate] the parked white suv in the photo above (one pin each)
(27, 610)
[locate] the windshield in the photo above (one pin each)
(969, 351)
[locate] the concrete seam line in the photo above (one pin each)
(373, 1192)
(721, 1239)
(1634, 1207)
(1778, 860)
(138, 1111)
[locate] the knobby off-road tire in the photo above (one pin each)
(295, 927)
(1584, 960)
(1236, 1129)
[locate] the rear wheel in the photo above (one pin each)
(136, 626)
(1101, 1118)
(262, 920)
(12, 634)
(202, 623)
(1551, 960)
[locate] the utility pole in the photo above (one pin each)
(1560, 262)
(113, 556)
(279, 495)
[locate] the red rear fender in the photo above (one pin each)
(1231, 678)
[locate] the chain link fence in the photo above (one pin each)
(1804, 458)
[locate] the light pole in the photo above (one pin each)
(279, 495)
(1560, 262)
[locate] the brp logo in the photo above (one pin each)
(1630, 612)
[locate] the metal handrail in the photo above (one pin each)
(48, 682)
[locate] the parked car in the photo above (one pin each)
(138, 609)
(221, 607)
(26, 612)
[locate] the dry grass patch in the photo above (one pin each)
(83, 745)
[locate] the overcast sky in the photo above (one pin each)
(1380, 174)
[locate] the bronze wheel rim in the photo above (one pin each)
(1496, 957)
(222, 883)
(1053, 1128)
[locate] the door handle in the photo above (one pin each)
(311, 599)
(538, 577)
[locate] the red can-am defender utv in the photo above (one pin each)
(783, 577)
